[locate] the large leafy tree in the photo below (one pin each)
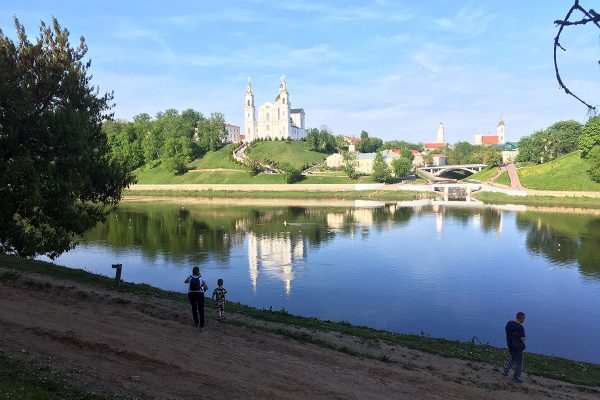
(589, 144)
(558, 139)
(57, 176)
(401, 167)
(590, 136)
(381, 171)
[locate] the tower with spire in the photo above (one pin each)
(500, 132)
(249, 114)
(440, 134)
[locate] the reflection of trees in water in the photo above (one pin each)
(488, 219)
(564, 239)
(197, 233)
(172, 233)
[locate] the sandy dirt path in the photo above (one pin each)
(102, 337)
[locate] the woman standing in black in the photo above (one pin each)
(196, 289)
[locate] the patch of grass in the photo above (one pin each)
(296, 153)
(548, 366)
(484, 175)
(568, 201)
(22, 381)
(217, 159)
(564, 173)
(503, 179)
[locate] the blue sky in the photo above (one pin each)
(393, 68)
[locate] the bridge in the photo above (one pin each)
(439, 170)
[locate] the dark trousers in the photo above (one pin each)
(197, 301)
(515, 360)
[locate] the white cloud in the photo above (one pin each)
(468, 21)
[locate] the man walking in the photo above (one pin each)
(515, 340)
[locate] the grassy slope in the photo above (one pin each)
(552, 201)
(503, 179)
(484, 175)
(295, 153)
(217, 159)
(28, 381)
(565, 173)
(548, 366)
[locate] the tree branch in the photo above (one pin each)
(589, 16)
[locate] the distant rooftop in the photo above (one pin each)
(492, 139)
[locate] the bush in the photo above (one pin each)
(291, 174)
(254, 167)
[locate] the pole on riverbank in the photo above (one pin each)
(118, 268)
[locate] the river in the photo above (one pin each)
(452, 270)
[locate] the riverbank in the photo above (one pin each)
(380, 195)
(539, 200)
(269, 194)
(135, 342)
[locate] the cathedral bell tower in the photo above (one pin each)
(500, 132)
(284, 107)
(249, 115)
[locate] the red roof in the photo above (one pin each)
(415, 152)
(352, 139)
(231, 126)
(434, 145)
(396, 151)
(439, 155)
(489, 139)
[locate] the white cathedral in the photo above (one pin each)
(275, 120)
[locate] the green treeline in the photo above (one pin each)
(563, 138)
(172, 139)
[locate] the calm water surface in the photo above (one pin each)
(442, 270)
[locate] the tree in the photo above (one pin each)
(593, 158)
(381, 171)
(177, 153)
(558, 139)
(590, 136)
(401, 167)
(349, 165)
(488, 156)
(212, 132)
(57, 176)
(461, 153)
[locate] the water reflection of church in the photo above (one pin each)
(275, 256)
(279, 255)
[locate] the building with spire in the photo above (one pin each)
(274, 120)
(498, 138)
(440, 134)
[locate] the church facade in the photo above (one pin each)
(274, 120)
(498, 138)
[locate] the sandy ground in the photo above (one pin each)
(146, 347)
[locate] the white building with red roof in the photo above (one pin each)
(498, 138)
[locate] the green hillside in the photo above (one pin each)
(296, 153)
(483, 175)
(564, 173)
(217, 159)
